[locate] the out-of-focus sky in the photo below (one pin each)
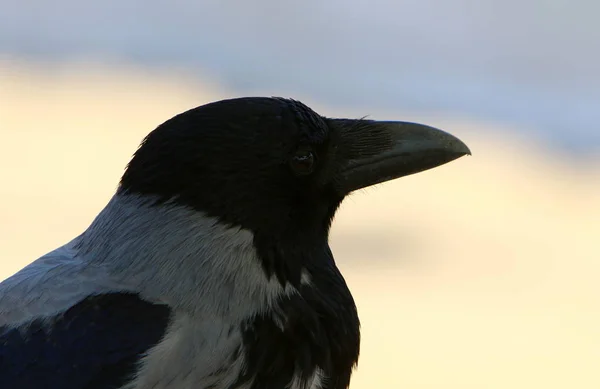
(481, 273)
(529, 63)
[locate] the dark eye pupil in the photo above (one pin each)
(303, 162)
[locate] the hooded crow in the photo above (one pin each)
(210, 267)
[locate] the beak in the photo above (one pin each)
(372, 152)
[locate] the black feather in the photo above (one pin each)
(316, 328)
(95, 344)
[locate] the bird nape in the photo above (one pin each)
(210, 267)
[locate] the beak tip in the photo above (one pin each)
(464, 149)
(458, 146)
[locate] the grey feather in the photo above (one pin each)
(169, 254)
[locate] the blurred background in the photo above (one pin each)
(482, 273)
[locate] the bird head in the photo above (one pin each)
(275, 167)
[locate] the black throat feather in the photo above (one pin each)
(315, 330)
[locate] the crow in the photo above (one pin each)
(210, 267)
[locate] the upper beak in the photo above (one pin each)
(372, 152)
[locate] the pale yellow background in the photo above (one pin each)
(482, 273)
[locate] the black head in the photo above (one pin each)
(276, 167)
(259, 163)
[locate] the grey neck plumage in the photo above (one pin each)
(168, 254)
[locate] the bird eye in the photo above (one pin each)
(303, 161)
